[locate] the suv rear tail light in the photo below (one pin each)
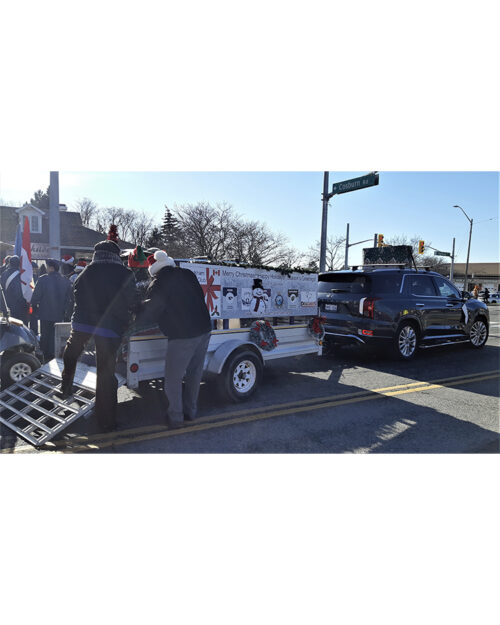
(367, 306)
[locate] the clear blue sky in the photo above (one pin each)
(411, 203)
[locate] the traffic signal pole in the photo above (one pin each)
(346, 262)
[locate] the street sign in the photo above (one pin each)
(370, 180)
(437, 253)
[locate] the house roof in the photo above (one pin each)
(30, 207)
(73, 233)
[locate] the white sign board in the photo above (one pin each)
(234, 292)
(40, 251)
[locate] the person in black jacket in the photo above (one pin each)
(11, 285)
(175, 300)
(105, 295)
(52, 302)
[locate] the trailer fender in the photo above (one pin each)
(217, 359)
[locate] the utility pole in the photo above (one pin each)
(324, 223)
(54, 217)
(471, 221)
(467, 263)
(346, 263)
(452, 260)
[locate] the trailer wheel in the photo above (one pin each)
(18, 366)
(240, 376)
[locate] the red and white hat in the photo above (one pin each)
(80, 266)
(159, 260)
(67, 259)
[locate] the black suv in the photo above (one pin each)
(400, 309)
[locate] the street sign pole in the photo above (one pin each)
(369, 180)
(346, 263)
(324, 223)
(452, 260)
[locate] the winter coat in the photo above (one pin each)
(105, 295)
(52, 297)
(14, 295)
(175, 300)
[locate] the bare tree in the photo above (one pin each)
(87, 209)
(436, 263)
(335, 249)
(141, 228)
(205, 230)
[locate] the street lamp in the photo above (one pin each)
(471, 221)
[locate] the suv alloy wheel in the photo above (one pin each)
(406, 341)
(478, 334)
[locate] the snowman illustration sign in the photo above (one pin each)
(260, 298)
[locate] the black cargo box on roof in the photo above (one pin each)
(388, 255)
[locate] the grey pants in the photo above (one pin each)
(185, 359)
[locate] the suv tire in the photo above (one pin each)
(478, 333)
(406, 341)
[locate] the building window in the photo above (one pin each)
(35, 224)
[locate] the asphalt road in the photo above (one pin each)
(444, 401)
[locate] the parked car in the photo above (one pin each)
(494, 297)
(400, 309)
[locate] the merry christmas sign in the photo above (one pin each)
(234, 292)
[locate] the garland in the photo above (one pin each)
(282, 269)
(263, 335)
(316, 328)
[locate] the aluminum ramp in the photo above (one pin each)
(35, 411)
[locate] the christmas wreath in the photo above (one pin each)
(316, 327)
(263, 335)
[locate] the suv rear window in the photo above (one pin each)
(344, 283)
(387, 283)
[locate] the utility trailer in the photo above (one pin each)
(233, 361)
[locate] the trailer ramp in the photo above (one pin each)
(34, 409)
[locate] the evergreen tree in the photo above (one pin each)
(169, 229)
(155, 238)
(41, 199)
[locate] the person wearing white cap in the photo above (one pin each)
(175, 301)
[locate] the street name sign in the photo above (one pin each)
(437, 253)
(369, 180)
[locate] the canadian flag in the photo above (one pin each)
(22, 248)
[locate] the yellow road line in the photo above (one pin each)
(199, 427)
(247, 411)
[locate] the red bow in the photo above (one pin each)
(209, 290)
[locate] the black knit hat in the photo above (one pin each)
(14, 262)
(107, 246)
(52, 262)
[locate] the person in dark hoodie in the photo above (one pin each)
(175, 301)
(11, 285)
(52, 302)
(105, 296)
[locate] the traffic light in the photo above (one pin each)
(380, 240)
(421, 247)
